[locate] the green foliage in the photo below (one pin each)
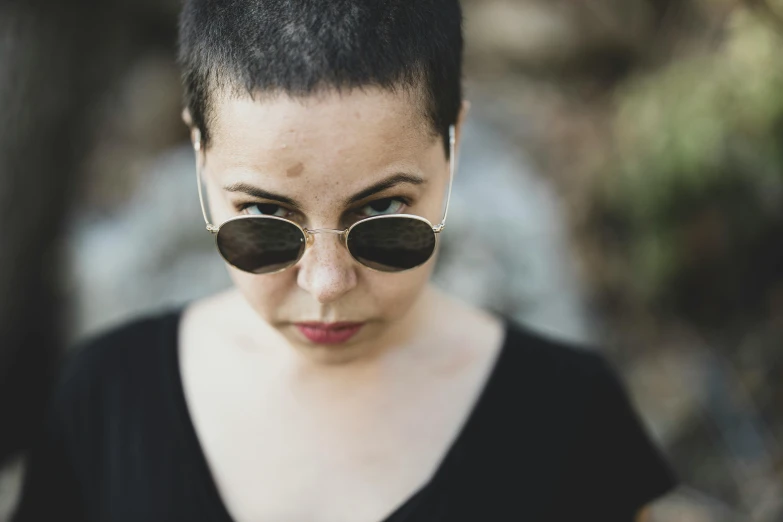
(704, 133)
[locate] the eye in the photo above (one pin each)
(381, 207)
(265, 209)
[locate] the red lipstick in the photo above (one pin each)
(329, 333)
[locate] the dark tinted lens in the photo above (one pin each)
(392, 244)
(260, 245)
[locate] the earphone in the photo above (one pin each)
(196, 140)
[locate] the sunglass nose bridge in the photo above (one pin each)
(310, 233)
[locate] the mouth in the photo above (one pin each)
(329, 333)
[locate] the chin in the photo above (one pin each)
(332, 355)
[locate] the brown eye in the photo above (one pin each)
(266, 209)
(381, 207)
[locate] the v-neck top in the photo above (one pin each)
(552, 435)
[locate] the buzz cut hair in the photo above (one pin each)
(305, 47)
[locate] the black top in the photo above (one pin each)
(552, 436)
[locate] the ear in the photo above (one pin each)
(186, 117)
(195, 133)
(463, 113)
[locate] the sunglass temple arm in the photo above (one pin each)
(452, 169)
(197, 146)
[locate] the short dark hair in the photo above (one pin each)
(301, 47)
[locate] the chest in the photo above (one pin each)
(319, 452)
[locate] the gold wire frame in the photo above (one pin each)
(309, 234)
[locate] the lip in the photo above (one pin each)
(329, 333)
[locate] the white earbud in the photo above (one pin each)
(196, 140)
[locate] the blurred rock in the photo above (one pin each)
(506, 247)
(150, 253)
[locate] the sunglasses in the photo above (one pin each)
(268, 244)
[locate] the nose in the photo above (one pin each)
(327, 271)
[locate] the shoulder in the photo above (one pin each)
(576, 382)
(101, 365)
(106, 383)
(124, 343)
(604, 443)
(555, 385)
(559, 363)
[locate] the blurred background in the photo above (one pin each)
(622, 169)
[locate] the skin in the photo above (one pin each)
(296, 152)
(302, 422)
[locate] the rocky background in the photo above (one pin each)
(622, 171)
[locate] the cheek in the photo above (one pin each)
(396, 293)
(267, 294)
(276, 297)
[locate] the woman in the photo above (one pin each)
(333, 383)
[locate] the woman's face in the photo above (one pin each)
(311, 157)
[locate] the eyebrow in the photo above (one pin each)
(384, 184)
(391, 181)
(252, 190)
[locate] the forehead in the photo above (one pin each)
(370, 122)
